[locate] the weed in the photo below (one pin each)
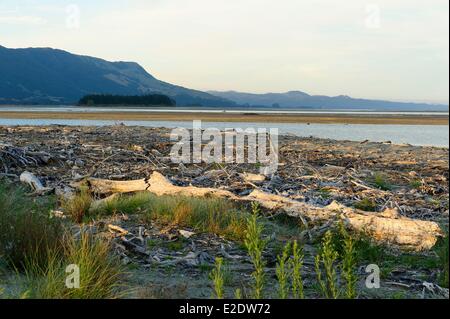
(349, 263)
(255, 246)
(282, 272)
(217, 276)
(296, 264)
(380, 181)
(327, 258)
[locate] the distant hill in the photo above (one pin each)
(49, 76)
(297, 99)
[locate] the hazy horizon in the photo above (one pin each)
(383, 49)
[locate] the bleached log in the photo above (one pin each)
(156, 184)
(34, 182)
(387, 228)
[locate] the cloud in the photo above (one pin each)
(22, 20)
(320, 46)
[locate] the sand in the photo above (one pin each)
(408, 119)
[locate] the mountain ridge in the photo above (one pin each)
(299, 99)
(54, 76)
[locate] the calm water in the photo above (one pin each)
(426, 135)
(68, 109)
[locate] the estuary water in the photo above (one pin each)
(423, 135)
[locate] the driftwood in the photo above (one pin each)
(388, 227)
(34, 183)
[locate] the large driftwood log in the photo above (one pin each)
(388, 227)
(156, 184)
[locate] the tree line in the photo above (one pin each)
(109, 99)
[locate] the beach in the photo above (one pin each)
(323, 118)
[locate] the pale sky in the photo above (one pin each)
(386, 49)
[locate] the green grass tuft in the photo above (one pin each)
(381, 181)
(27, 230)
(211, 215)
(99, 272)
(78, 206)
(366, 204)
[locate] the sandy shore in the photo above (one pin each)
(243, 117)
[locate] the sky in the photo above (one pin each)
(383, 49)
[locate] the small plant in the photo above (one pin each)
(416, 184)
(78, 206)
(296, 264)
(238, 294)
(327, 259)
(380, 181)
(348, 263)
(255, 246)
(325, 193)
(217, 276)
(366, 205)
(282, 271)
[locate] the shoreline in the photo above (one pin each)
(161, 129)
(379, 119)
